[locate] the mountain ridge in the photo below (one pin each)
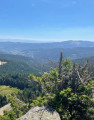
(64, 44)
(42, 51)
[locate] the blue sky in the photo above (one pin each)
(47, 20)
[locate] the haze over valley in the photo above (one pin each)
(40, 52)
(46, 59)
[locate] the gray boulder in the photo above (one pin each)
(41, 113)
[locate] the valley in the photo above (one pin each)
(31, 73)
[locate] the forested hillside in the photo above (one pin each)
(66, 88)
(37, 77)
(82, 61)
(46, 59)
(20, 64)
(40, 52)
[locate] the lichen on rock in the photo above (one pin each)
(41, 113)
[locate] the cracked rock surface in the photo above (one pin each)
(41, 113)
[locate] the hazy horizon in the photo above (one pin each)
(39, 41)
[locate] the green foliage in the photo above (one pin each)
(40, 101)
(18, 108)
(3, 100)
(31, 86)
(67, 65)
(14, 80)
(71, 95)
(50, 81)
(9, 115)
(7, 90)
(70, 105)
(32, 77)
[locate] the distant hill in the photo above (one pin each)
(19, 64)
(41, 52)
(64, 44)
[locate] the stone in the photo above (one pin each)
(5, 108)
(41, 113)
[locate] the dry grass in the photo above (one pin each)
(6, 90)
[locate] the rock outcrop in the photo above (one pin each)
(6, 107)
(41, 113)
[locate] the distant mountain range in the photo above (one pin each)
(42, 51)
(64, 44)
(35, 57)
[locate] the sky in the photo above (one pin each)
(46, 20)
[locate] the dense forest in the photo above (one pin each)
(20, 64)
(3, 100)
(66, 88)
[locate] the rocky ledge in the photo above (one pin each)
(41, 113)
